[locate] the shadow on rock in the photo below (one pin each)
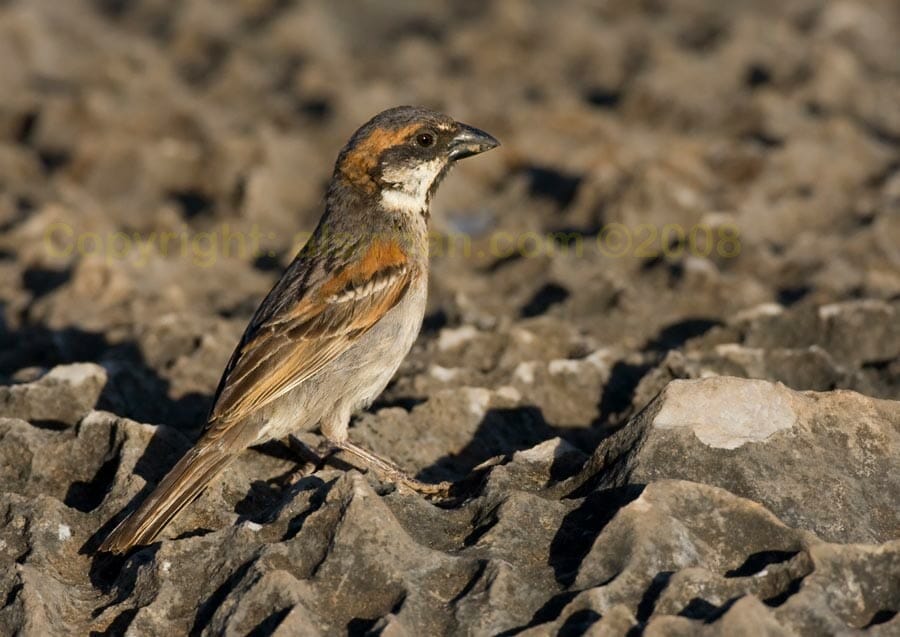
(677, 334)
(502, 432)
(135, 390)
(581, 527)
(165, 448)
(208, 608)
(87, 495)
(119, 572)
(618, 392)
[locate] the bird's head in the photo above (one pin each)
(401, 155)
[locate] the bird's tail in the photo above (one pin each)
(182, 484)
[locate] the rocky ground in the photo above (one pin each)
(667, 357)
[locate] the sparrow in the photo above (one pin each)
(331, 333)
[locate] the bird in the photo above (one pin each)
(331, 333)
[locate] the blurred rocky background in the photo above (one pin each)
(664, 316)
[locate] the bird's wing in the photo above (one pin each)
(317, 326)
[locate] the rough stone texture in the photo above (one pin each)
(636, 467)
(793, 452)
(61, 397)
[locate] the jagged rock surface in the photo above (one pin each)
(668, 526)
(661, 436)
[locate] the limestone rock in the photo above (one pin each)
(792, 451)
(61, 397)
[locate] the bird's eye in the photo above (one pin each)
(425, 139)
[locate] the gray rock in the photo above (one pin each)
(62, 396)
(327, 553)
(790, 451)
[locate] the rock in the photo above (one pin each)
(61, 397)
(805, 348)
(328, 551)
(725, 414)
(788, 450)
(704, 581)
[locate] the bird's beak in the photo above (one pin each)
(470, 141)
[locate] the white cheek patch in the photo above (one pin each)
(409, 185)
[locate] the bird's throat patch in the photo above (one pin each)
(407, 188)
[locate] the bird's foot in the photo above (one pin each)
(392, 473)
(438, 491)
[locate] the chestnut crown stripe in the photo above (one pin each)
(358, 163)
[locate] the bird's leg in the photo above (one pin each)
(394, 473)
(316, 457)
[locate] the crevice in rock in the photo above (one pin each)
(881, 617)
(42, 281)
(316, 500)
(618, 392)
(677, 334)
(360, 626)
(192, 203)
(48, 425)
(480, 569)
(270, 623)
(651, 595)
(208, 608)
(554, 184)
(200, 531)
(484, 521)
(88, 495)
(13, 594)
(701, 609)
(580, 528)
(578, 622)
(109, 571)
(546, 613)
(119, 625)
(756, 562)
(543, 299)
(792, 588)
(501, 432)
